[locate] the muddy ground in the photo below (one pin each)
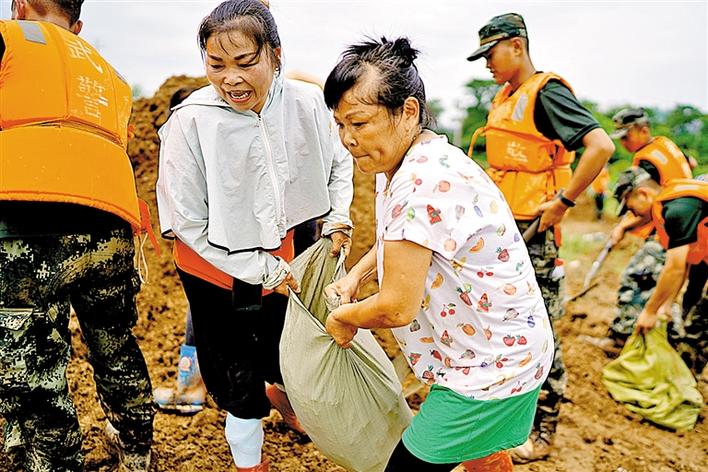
(595, 433)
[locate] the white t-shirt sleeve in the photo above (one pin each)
(427, 207)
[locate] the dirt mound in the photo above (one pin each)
(151, 113)
(594, 434)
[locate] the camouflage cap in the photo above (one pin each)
(508, 25)
(626, 118)
(627, 181)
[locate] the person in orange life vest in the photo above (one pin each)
(658, 155)
(68, 215)
(242, 161)
(679, 213)
(599, 191)
(534, 125)
(664, 161)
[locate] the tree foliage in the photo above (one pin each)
(478, 94)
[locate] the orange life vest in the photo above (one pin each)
(63, 123)
(668, 159)
(194, 264)
(679, 188)
(528, 167)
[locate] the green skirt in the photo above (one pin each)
(451, 428)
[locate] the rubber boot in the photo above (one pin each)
(262, 467)
(189, 395)
(497, 462)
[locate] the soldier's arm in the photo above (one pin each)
(561, 116)
(598, 149)
(627, 223)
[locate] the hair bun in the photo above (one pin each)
(402, 48)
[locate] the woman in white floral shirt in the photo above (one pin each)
(456, 282)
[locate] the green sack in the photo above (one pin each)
(349, 401)
(651, 379)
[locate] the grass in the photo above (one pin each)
(585, 249)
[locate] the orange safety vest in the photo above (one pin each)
(192, 263)
(63, 123)
(671, 164)
(679, 188)
(528, 167)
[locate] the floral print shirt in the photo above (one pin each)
(482, 329)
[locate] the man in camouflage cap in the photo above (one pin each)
(508, 25)
(663, 161)
(679, 213)
(534, 126)
(627, 118)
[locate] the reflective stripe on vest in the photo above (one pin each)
(32, 32)
(528, 167)
(679, 188)
(63, 122)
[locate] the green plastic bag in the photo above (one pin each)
(349, 401)
(651, 379)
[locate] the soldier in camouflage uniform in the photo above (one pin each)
(64, 243)
(679, 212)
(663, 161)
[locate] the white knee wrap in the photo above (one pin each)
(245, 438)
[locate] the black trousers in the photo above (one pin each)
(403, 461)
(697, 277)
(237, 349)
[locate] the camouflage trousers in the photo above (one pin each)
(636, 286)
(544, 252)
(41, 277)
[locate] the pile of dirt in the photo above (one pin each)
(151, 113)
(595, 433)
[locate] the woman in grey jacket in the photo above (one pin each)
(241, 163)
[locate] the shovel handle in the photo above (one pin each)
(531, 230)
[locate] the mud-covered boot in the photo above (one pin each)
(189, 395)
(128, 461)
(539, 444)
